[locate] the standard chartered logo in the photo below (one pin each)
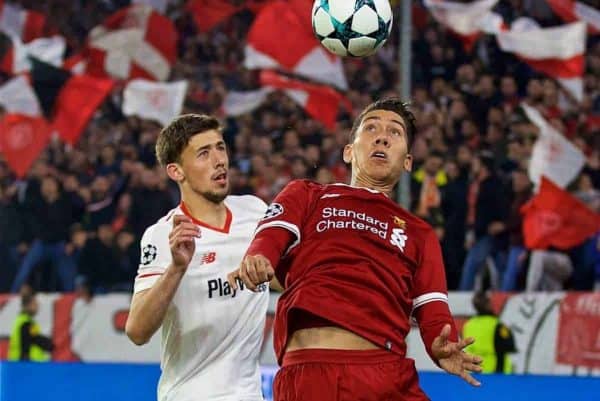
(344, 219)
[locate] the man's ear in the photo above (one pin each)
(347, 155)
(175, 172)
(408, 161)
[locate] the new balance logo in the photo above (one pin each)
(208, 258)
(398, 238)
(330, 196)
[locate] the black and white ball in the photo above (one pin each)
(355, 28)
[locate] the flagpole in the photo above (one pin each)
(404, 83)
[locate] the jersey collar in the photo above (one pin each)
(224, 230)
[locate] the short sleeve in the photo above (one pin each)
(288, 210)
(155, 256)
(430, 277)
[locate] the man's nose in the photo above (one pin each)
(382, 140)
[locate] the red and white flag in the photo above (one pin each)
(154, 100)
(158, 5)
(321, 102)
(553, 155)
(135, 42)
(239, 103)
(557, 52)
(464, 19)
(209, 13)
(571, 11)
(17, 97)
(24, 24)
(555, 218)
(281, 37)
(17, 56)
(22, 139)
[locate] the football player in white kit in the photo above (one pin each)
(211, 334)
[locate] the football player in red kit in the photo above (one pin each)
(355, 266)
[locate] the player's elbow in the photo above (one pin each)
(135, 333)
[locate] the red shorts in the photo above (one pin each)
(340, 375)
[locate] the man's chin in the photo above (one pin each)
(217, 195)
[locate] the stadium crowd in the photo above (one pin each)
(75, 221)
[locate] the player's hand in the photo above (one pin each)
(182, 241)
(453, 359)
(253, 271)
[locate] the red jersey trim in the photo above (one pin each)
(148, 275)
(429, 297)
(283, 224)
(224, 230)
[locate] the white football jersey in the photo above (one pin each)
(211, 334)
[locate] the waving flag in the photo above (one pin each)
(15, 55)
(278, 23)
(572, 11)
(22, 139)
(553, 155)
(154, 100)
(68, 101)
(17, 97)
(24, 24)
(135, 42)
(557, 51)
(321, 102)
(464, 19)
(555, 218)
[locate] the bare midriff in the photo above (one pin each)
(328, 337)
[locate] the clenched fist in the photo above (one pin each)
(253, 271)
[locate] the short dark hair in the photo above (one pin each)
(26, 299)
(173, 138)
(390, 104)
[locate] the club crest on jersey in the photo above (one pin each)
(274, 210)
(149, 253)
(398, 222)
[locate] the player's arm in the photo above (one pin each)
(277, 233)
(149, 305)
(430, 309)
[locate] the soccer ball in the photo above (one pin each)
(355, 28)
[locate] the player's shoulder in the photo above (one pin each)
(246, 204)
(162, 227)
(303, 185)
(410, 221)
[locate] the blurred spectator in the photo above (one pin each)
(454, 209)
(517, 254)
(486, 217)
(26, 342)
(493, 340)
(12, 234)
(149, 201)
(548, 270)
(50, 213)
(98, 263)
(426, 187)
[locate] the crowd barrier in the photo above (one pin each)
(75, 381)
(555, 333)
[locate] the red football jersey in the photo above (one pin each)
(358, 260)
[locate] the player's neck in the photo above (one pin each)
(205, 211)
(386, 189)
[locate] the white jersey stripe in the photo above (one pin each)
(429, 297)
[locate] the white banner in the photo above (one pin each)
(94, 331)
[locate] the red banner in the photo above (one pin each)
(578, 340)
